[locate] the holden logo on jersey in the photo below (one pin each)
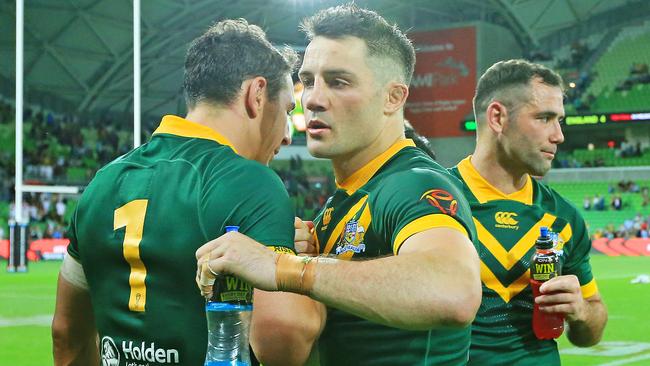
(352, 238)
(442, 200)
(506, 220)
(110, 353)
(138, 352)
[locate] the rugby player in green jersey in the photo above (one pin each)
(402, 284)
(129, 279)
(519, 110)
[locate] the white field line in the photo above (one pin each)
(626, 361)
(45, 320)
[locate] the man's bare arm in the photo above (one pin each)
(74, 336)
(586, 317)
(284, 327)
(434, 281)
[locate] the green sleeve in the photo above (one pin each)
(407, 201)
(71, 234)
(251, 197)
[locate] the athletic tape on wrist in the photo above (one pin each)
(295, 273)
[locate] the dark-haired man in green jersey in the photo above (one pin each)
(401, 281)
(129, 277)
(519, 111)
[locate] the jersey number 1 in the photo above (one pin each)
(132, 215)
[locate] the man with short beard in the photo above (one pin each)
(401, 278)
(519, 111)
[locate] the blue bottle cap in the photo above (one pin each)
(232, 228)
(543, 231)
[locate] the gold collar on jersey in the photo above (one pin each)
(178, 126)
(484, 191)
(363, 175)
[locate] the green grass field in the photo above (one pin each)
(27, 304)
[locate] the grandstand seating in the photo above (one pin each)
(7, 138)
(631, 46)
(577, 191)
(608, 157)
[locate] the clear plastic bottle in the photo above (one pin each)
(229, 314)
(544, 265)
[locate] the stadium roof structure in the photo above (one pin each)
(80, 52)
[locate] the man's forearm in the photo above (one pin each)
(74, 336)
(589, 332)
(84, 352)
(284, 327)
(412, 291)
(434, 281)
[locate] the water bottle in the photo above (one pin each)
(544, 265)
(228, 312)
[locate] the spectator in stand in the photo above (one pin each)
(643, 231)
(598, 203)
(610, 189)
(586, 204)
(578, 52)
(623, 185)
(610, 231)
(617, 202)
(60, 209)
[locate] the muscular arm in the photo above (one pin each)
(433, 282)
(586, 317)
(588, 331)
(284, 327)
(74, 336)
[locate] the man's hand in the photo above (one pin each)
(235, 253)
(304, 237)
(562, 295)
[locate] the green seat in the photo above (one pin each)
(76, 175)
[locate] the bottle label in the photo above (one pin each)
(232, 290)
(544, 267)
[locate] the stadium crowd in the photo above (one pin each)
(308, 192)
(635, 227)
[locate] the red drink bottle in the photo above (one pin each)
(544, 265)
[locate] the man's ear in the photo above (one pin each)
(397, 94)
(254, 95)
(496, 116)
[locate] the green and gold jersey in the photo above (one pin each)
(139, 223)
(398, 194)
(507, 227)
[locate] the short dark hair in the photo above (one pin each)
(420, 141)
(505, 77)
(228, 53)
(382, 39)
